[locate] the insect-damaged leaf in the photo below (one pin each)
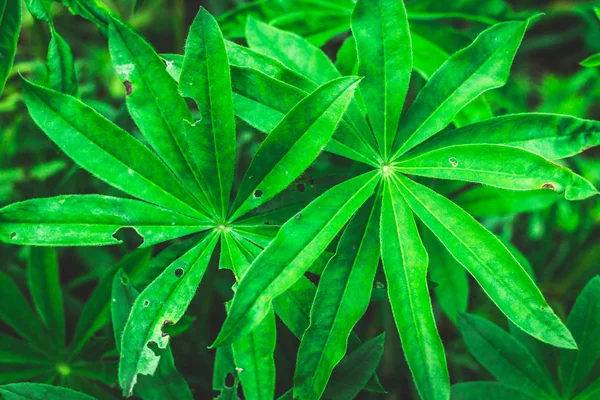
(105, 150)
(297, 245)
(90, 220)
(163, 302)
(205, 78)
(294, 144)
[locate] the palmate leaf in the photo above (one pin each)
(495, 269)
(118, 158)
(342, 298)
(10, 27)
(167, 382)
(499, 166)
(382, 35)
(157, 108)
(205, 78)
(39, 391)
(298, 243)
(90, 220)
(44, 285)
(551, 136)
(482, 66)
(505, 357)
(163, 302)
(584, 323)
(405, 264)
(294, 144)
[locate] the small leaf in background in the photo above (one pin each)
(10, 27)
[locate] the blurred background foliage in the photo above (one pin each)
(559, 239)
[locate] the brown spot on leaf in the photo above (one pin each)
(128, 87)
(548, 186)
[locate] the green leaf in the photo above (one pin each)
(591, 392)
(296, 246)
(61, 68)
(342, 298)
(505, 357)
(350, 377)
(497, 271)
(10, 27)
(105, 150)
(17, 314)
(166, 382)
(40, 9)
(205, 78)
(44, 286)
(15, 351)
(500, 166)
(96, 311)
(90, 220)
(92, 10)
(156, 106)
(405, 265)
(39, 391)
(253, 353)
(482, 66)
(315, 68)
(584, 323)
(592, 61)
(294, 144)
(486, 201)
(164, 301)
(549, 135)
(452, 284)
(382, 35)
(489, 391)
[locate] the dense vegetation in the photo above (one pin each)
(299, 199)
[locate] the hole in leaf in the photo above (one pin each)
(300, 187)
(229, 380)
(258, 194)
(298, 216)
(129, 236)
(179, 272)
(124, 280)
(146, 303)
(267, 223)
(128, 87)
(13, 235)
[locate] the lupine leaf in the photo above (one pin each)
(205, 78)
(96, 311)
(61, 68)
(297, 54)
(497, 271)
(507, 359)
(253, 353)
(551, 136)
(405, 264)
(166, 382)
(592, 61)
(15, 351)
(500, 166)
(452, 285)
(584, 323)
(91, 220)
(294, 144)
(163, 302)
(489, 391)
(156, 106)
(591, 392)
(486, 201)
(380, 28)
(44, 285)
(342, 298)
(10, 27)
(118, 158)
(92, 10)
(349, 378)
(484, 65)
(39, 391)
(304, 237)
(17, 314)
